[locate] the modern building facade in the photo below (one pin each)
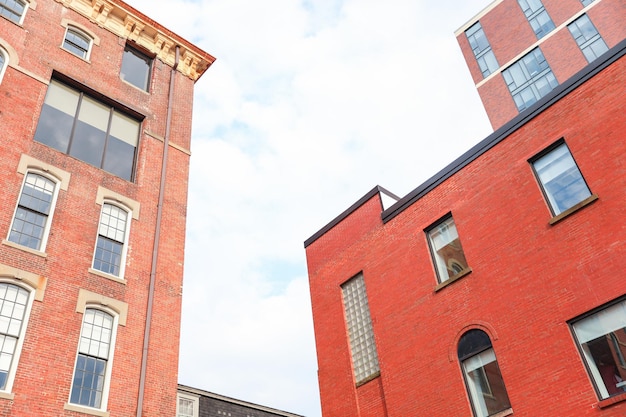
(518, 51)
(194, 402)
(96, 114)
(493, 288)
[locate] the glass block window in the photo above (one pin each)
(94, 348)
(136, 68)
(601, 338)
(360, 331)
(561, 181)
(529, 79)
(482, 49)
(587, 37)
(13, 10)
(13, 305)
(77, 42)
(537, 16)
(31, 219)
(111, 238)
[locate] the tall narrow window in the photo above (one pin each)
(91, 372)
(482, 49)
(31, 220)
(4, 61)
(88, 129)
(601, 338)
(14, 304)
(529, 79)
(587, 37)
(360, 330)
(13, 10)
(561, 181)
(77, 42)
(446, 249)
(136, 68)
(482, 374)
(537, 16)
(110, 245)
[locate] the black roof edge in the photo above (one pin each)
(374, 191)
(510, 127)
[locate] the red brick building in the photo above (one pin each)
(519, 50)
(96, 114)
(493, 289)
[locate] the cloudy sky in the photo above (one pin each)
(310, 104)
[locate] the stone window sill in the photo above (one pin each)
(571, 210)
(612, 400)
(452, 280)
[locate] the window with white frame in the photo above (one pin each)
(601, 338)
(482, 375)
(537, 16)
(529, 79)
(446, 249)
(561, 181)
(92, 371)
(14, 10)
(136, 68)
(111, 243)
(587, 37)
(360, 330)
(15, 303)
(482, 49)
(187, 405)
(4, 62)
(77, 42)
(31, 222)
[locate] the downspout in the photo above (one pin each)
(157, 233)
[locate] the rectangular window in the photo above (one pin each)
(187, 406)
(88, 129)
(446, 250)
(136, 68)
(587, 37)
(529, 79)
(482, 49)
(537, 16)
(601, 338)
(360, 330)
(561, 181)
(13, 10)
(587, 2)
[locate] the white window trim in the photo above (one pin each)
(28, 4)
(95, 40)
(129, 217)
(194, 398)
(5, 56)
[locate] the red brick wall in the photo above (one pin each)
(528, 277)
(44, 375)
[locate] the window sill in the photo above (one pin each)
(573, 209)
(4, 395)
(85, 410)
(107, 276)
(612, 400)
(507, 412)
(24, 248)
(452, 280)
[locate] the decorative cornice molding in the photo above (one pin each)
(128, 23)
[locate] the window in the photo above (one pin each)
(561, 181)
(587, 2)
(136, 68)
(13, 10)
(30, 225)
(187, 406)
(15, 304)
(482, 49)
(110, 245)
(482, 374)
(446, 250)
(587, 37)
(360, 331)
(92, 370)
(601, 338)
(77, 42)
(529, 79)
(88, 129)
(537, 17)
(4, 62)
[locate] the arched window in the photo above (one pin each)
(111, 243)
(77, 42)
(482, 374)
(4, 61)
(13, 10)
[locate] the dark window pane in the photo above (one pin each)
(136, 68)
(54, 128)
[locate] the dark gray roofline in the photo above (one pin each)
(195, 391)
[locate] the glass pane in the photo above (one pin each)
(90, 134)
(57, 116)
(76, 42)
(447, 250)
(135, 68)
(12, 9)
(485, 384)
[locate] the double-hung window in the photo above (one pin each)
(13, 10)
(88, 129)
(4, 62)
(537, 16)
(482, 375)
(529, 79)
(587, 37)
(482, 49)
(360, 330)
(31, 221)
(561, 181)
(111, 243)
(601, 338)
(187, 406)
(136, 68)
(77, 42)
(446, 250)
